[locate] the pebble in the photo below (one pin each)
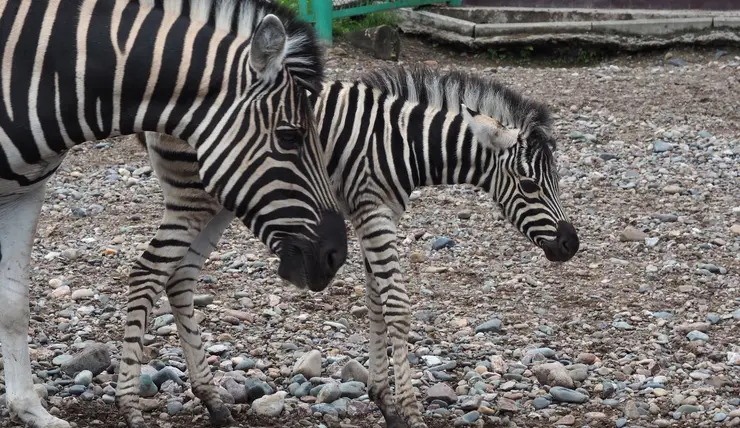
(329, 393)
(309, 364)
(270, 405)
(442, 242)
(95, 358)
(201, 300)
(82, 293)
(84, 378)
(541, 402)
(631, 234)
(567, 395)
(553, 374)
(697, 335)
(442, 392)
(353, 370)
(492, 325)
(660, 146)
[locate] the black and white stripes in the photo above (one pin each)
(396, 129)
(227, 78)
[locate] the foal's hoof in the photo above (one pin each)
(221, 417)
(392, 420)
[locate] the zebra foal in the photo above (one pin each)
(80, 70)
(393, 130)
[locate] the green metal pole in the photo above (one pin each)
(322, 11)
(303, 10)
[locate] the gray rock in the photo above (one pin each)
(688, 408)
(697, 335)
(567, 395)
(94, 358)
(202, 300)
(174, 407)
(84, 378)
(77, 389)
(165, 374)
(270, 405)
(329, 393)
(719, 417)
(442, 242)
(443, 392)
(309, 364)
(237, 390)
(163, 320)
(660, 146)
(147, 388)
(353, 370)
(494, 324)
(246, 364)
(541, 402)
(257, 388)
(352, 389)
(553, 374)
(471, 402)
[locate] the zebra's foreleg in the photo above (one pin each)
(146, 282)
(18, 220)
(396, 317)
(388, 305)
(180, 290)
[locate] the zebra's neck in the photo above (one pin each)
(87, 70)
(406, 144)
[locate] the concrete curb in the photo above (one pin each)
(629, 34)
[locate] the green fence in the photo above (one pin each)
(322, 12)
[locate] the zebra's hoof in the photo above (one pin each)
(392, 420)
(221, 417)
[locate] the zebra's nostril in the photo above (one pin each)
(332, 261)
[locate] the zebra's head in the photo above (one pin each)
(273, 176)
(525, 184)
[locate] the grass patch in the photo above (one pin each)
(353, 23)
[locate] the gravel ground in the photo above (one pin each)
(641, 328)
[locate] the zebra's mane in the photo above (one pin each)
(448, 89)
(303, 56)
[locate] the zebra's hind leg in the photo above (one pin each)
(180, 290)
(18, 220)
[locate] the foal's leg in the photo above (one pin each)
(388, 305)
(18, 221)
(180, 290)
(187, 212)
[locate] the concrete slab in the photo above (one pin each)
(653, 27)
(487, 30)
(726, 22)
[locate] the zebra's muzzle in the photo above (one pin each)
(313, 264)
(564, 246)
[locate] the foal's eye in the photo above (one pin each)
(289, 138)
(529, 186)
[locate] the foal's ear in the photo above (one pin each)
(489, 131)
(268, 47)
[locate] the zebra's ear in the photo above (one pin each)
(489, 131)
(268, 47)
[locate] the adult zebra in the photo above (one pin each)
(80, 70)
(390, 132)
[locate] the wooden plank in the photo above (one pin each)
(612, 4)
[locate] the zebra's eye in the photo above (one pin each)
(529, 186)
(289, 138)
